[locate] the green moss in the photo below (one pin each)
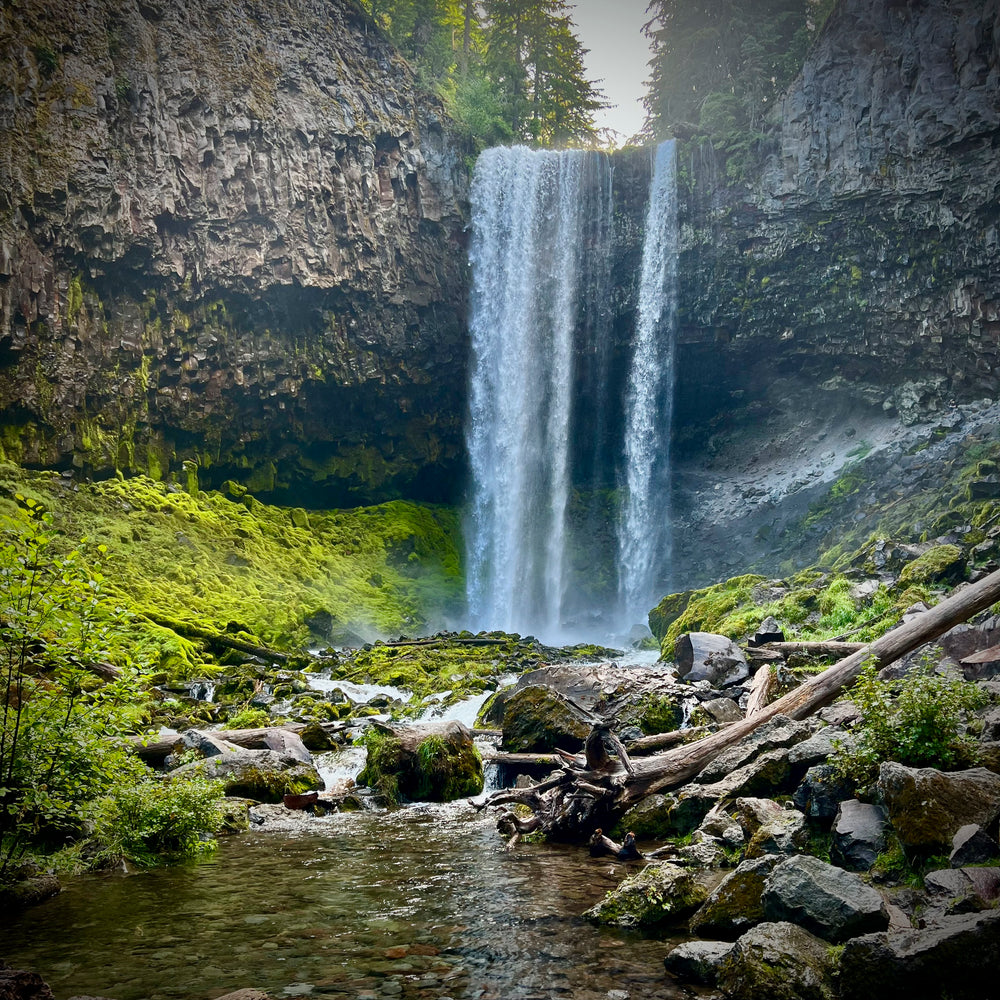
(940, 564)
(725, 608)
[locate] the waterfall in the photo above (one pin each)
(537, 218)
(643, 528)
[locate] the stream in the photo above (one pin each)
(422, 902)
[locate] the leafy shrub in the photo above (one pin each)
(918, 721)
(158, 816)
(249, 718)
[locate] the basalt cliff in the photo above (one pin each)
(231, 246)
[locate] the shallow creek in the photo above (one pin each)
(420, 903)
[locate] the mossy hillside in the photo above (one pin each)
(810, 606)
(239, 565)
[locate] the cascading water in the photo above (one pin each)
(534, 217)
(643, 528)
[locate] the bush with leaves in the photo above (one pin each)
(156, 817)
(918, 721)
(63, 728)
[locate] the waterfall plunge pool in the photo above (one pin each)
(420, 903)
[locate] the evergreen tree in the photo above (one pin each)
(718, 66)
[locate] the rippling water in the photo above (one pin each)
(421, 903)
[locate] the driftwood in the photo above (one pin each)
(568, 805)
(765, 681)
(830, 647)
(252, 739)
(658, 741)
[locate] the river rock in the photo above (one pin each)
(697, 961)
(957, 957)
(753, 813)
(720, 825)
(656, 895)
(429, 762)
(786, 833)
(17, 984)
(972, 845)
(286, 742)
(928, 807)
(538, 718)
(777, 961)
(963, 890)
(826, 900)
(821, 792)
(704, 656)
(262, 775)
(734, 905)
(859, 835)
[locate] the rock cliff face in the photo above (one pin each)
(844, 284)
(231, 239)
(868, 246)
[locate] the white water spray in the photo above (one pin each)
(529, 211)
(643, 529)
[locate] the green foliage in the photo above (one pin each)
(937, 564)
(60, 746)
(157, 817)
(249, 718)
(917, 721)
(507, 69)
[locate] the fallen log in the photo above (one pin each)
(658, 741)
(830, 647)
(765, 682)
(251, 739)
(580, 801)
(190, 631)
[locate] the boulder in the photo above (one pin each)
(537, 718)
(17, 984)
(778, 961)
(957, 957)
(697, 961)
(262, 775)
(734, 905)
(431, 762)
(786, 833)
(753, 813)
(286, 742)
(963, 890)
(859, 835)
(658, 894)
(721, 710)
(821, 792)
(779, 732)
(826, 900)
(972, 845)
(720, 825)
(704, 656)
(928, 807)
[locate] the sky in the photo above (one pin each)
(619, 53)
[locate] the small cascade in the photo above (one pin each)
(538, 216)
(643, 529)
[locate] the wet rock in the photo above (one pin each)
(429, 762)
(972, 845)
(697, 961)
(28, 891)
(927, 807)
(17, 984)
(734, 905)
(704, 656)
(779, 961)
(656, 895)
(262, 775)
(957, 956)
(859, 835)
(288, 743)
(826, 900)
(246, 995)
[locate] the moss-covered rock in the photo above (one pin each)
(537, 718)
(940, 564)
(261, 775)
(658, 894)
(425, 763)
(734, 905)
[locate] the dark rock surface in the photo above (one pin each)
(697, 961)
(229, 232)
(859, 835)
(826, 900)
